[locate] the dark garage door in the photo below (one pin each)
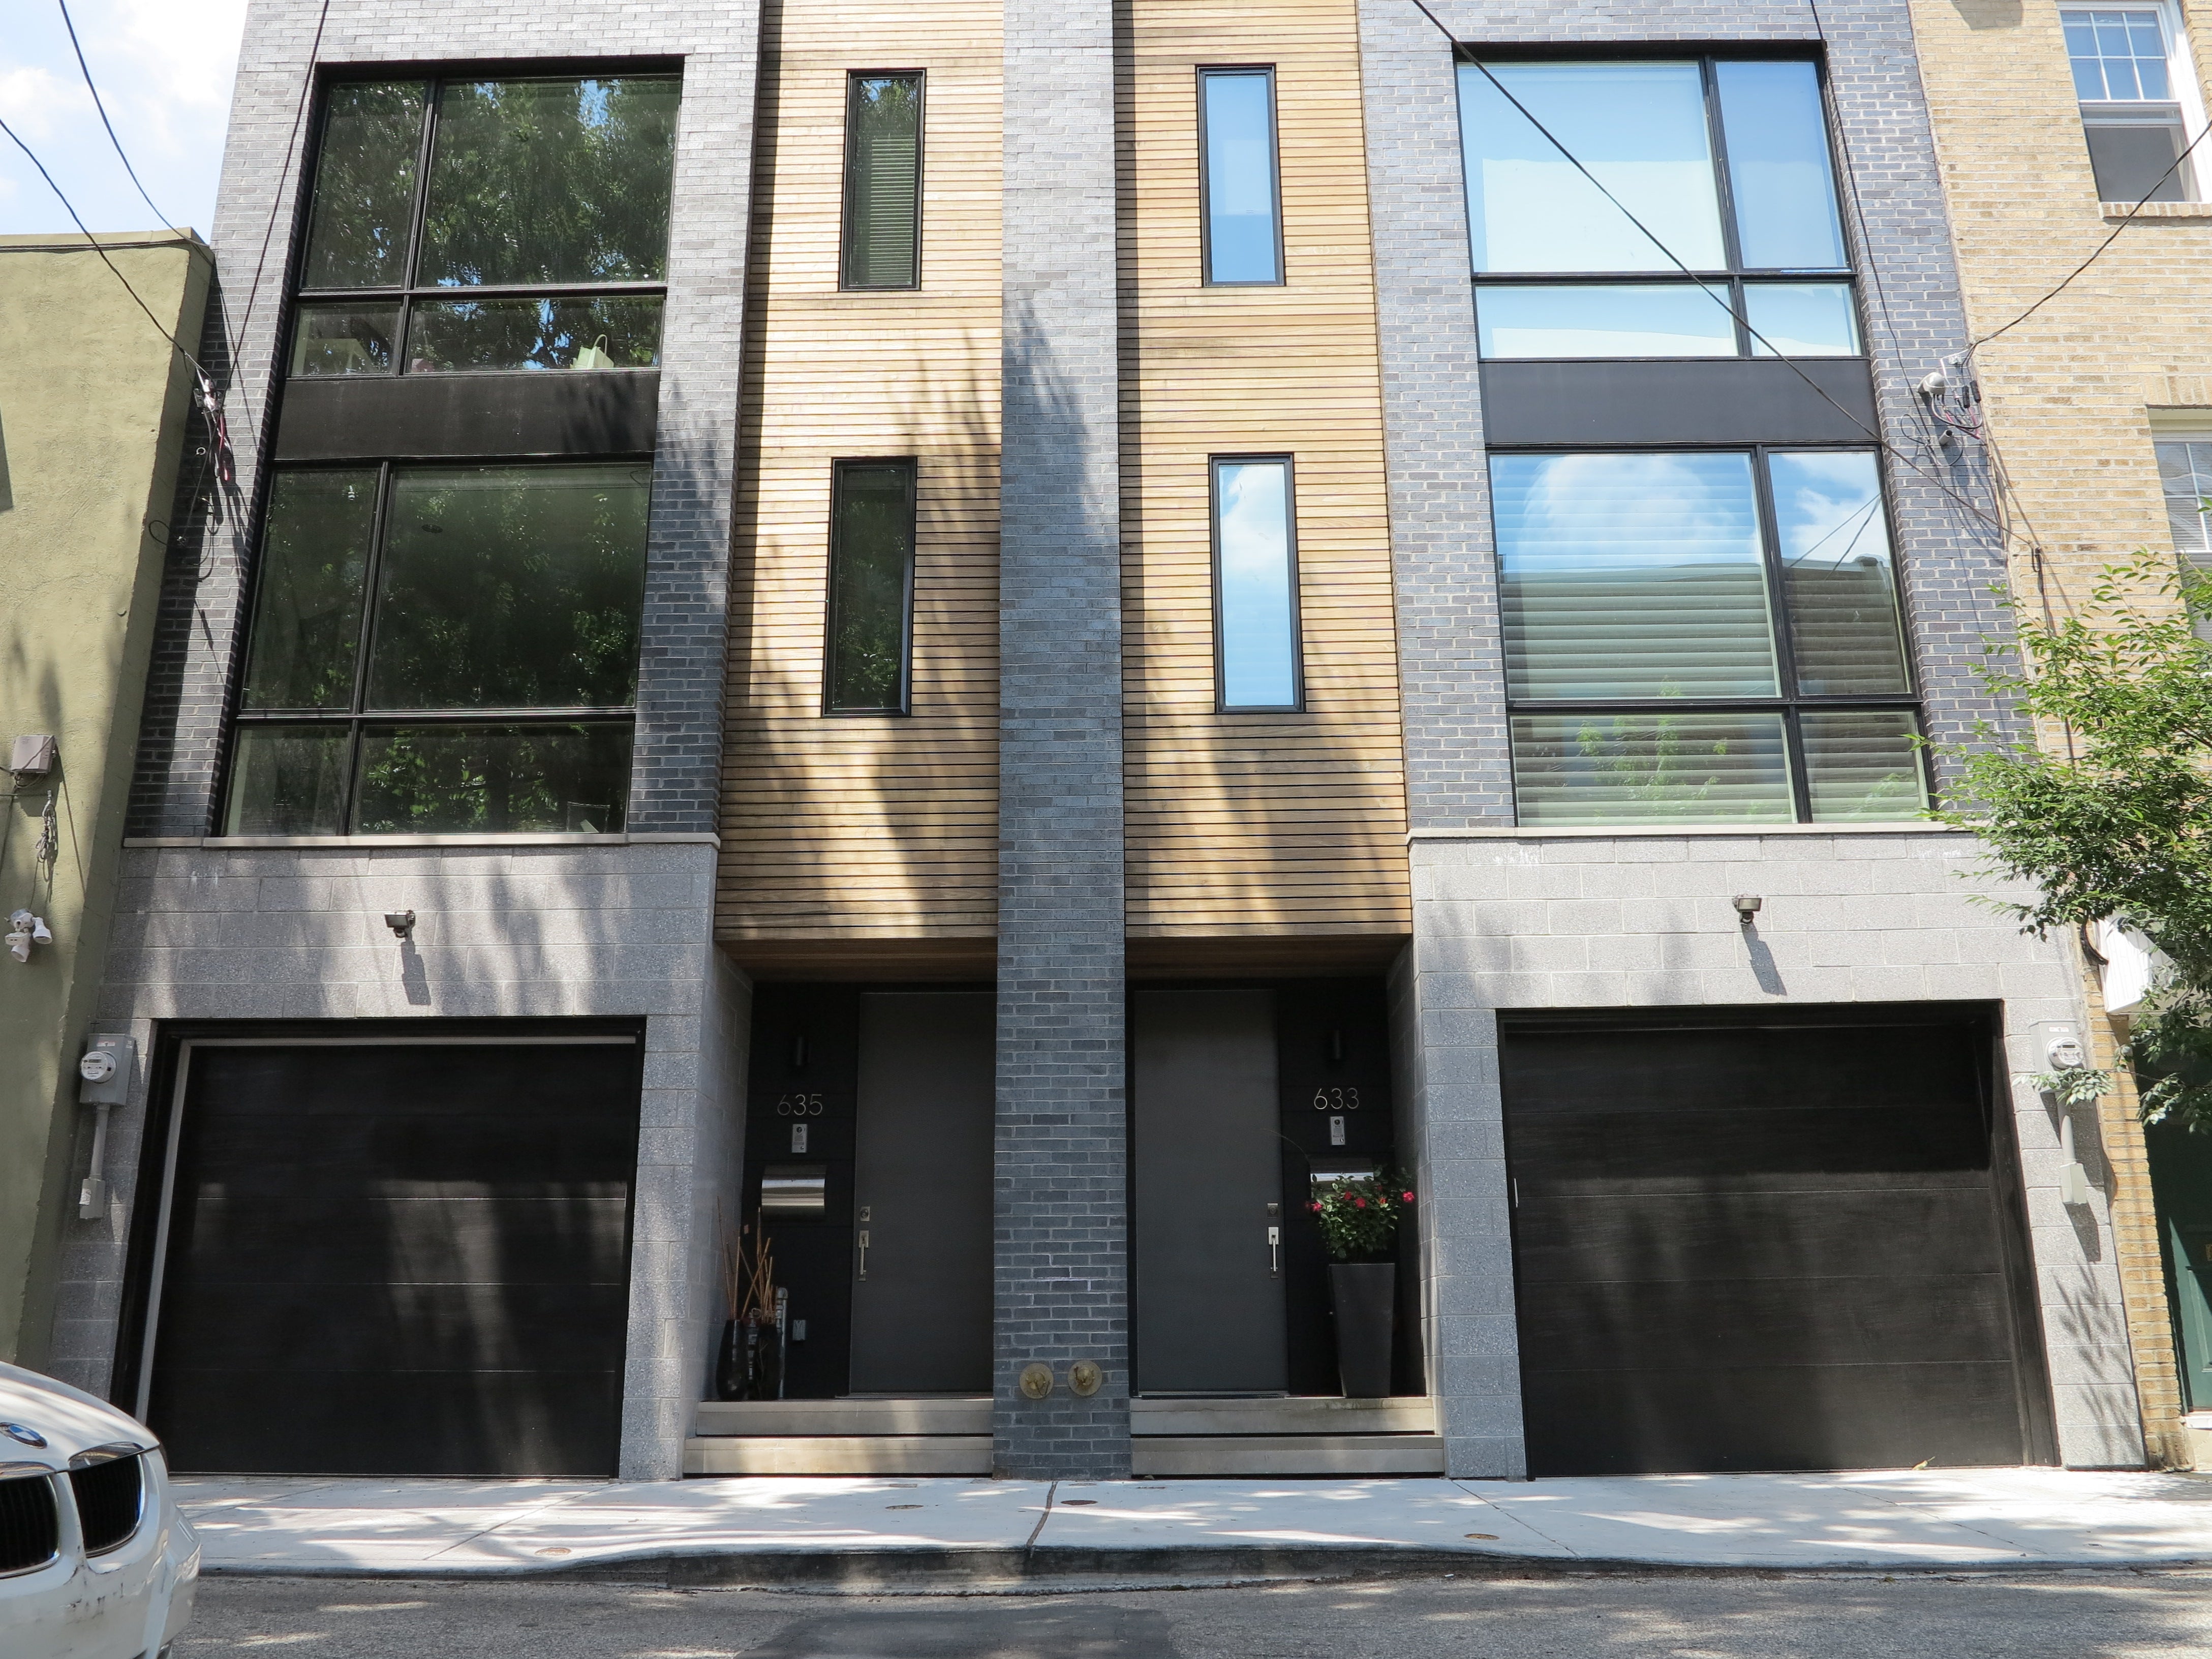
(398, 1260)
(1760, 1249)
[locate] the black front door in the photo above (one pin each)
(1209, 1178)
(405, 1259)
(921, 1194)
(1763, 1246)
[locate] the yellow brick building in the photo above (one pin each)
(2098, 400)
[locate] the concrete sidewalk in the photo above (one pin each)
(983, 1532)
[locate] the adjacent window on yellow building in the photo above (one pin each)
(2184, 470)
(2139, 106)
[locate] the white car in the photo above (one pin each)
(95, 1562)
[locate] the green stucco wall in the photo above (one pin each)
(93, 404)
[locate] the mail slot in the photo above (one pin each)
(1331, 1174)
(795, 1189)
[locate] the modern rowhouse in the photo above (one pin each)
(882, 689)
(438, 1074)
(1709, 1050)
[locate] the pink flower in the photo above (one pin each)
(1359, 1203)
(1408, 1197)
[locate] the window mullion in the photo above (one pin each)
(410, 275)
(371, 580)
(1769, 536)
(1801, 782)
(1723, 190)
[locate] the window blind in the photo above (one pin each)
(883, 181)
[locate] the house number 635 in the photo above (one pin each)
(1336, 1100)
(800, 1106)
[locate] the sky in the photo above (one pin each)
(164, 69)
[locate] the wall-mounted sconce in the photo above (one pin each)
(401, 922)
(1747, 907)
(25, 930)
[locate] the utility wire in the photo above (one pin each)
(2127, 220)
(70, 23)
(1821, 392)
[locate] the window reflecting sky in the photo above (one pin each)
(1259, 643)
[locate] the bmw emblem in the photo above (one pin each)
(17, 1432)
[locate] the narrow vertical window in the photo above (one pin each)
(1236, 164)
(883, 181)
(871, 587)
(1256, 584)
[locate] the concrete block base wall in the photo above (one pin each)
(1589, 919)
(609, 931)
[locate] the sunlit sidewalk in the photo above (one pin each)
(1919, 1519)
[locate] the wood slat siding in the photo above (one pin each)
(865, 827)
(1250, 825)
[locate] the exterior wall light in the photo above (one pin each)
(1747, 907)
(401, 922)
(25, 930)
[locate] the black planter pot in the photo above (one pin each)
(730, 1361)
(1365, 1294)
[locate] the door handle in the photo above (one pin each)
(1274, 1251)
(864, 1253)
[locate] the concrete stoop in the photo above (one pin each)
(1169, 1437)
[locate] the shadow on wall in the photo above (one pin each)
(7, 490)
(1989, 13)
(862, 824)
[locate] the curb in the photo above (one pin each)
(1046, 1570)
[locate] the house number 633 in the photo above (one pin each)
(1336, 1100)
(800, 1106)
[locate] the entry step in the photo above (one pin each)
(1292, 1414)
(1269, 1454)
(838, 1454)
(786, 1418)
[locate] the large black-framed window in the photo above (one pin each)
(1725, 159)
(487, 222)
(1258, 665)
(442, 649)
(1703, 635)
(881, 244)
(868, 655)
(1240, 185)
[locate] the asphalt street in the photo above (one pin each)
(2071, 1615)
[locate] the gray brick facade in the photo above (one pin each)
(1448, 651)
(205, 587)
(1504, 920)
(616, 926)
(1060, 1227)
